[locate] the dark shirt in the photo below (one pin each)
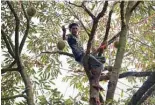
(76, 47)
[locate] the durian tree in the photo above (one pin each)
(31, 39)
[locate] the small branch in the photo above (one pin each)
(8, 69)
(7, 43)
(147, 94)
(101, 14)
(138, 40)
(88, 11)
(113, 38)
(76, 16)
(59, 52)
(26, 31)
(13, 97)
(12, 64)
(136, 4)
(75, 4)
(128, 74)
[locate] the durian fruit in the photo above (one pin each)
(116, 44)
(61, 45)
(31, 11)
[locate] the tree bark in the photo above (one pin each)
(119, 56)
(147, 94)
(142, 90)
(127, 74)
(125, 17)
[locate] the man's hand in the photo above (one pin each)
(64, 33)
(64, 29)
(103, 45)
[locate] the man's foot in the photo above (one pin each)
(98, 87)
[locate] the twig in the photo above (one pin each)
(13, 97)
(4, 70)
(7, 44)
(76, 16)
(101, 14)
(59, 52)
(88, 11)
(75, 4)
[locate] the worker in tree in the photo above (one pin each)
(95, 66)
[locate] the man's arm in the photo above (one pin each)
(64, 33)
(102, 47)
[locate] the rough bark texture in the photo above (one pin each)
(115, 72)
(147, 94)
(125, 17)
(119, 56)
(127, 74)
(143, 89)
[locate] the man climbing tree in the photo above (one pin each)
(95, 66)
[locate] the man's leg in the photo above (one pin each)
(95, 78)
(96, 67)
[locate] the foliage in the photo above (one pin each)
(44, 34)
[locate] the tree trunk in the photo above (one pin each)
(94, 93)
(115, 72)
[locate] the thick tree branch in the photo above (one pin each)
(91, 37)
(10, 49)
(128, 74)
(13, 97)
(26, 31)
(16, 30)
(119, 57)
(122, 14)
(8, 69)
(108, 25)
(101, 14)
(59, 52)
(147, 94)
(107, 28)
(94, 27)
(136, 74)
(143, 89)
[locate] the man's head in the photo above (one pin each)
(74, 28)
